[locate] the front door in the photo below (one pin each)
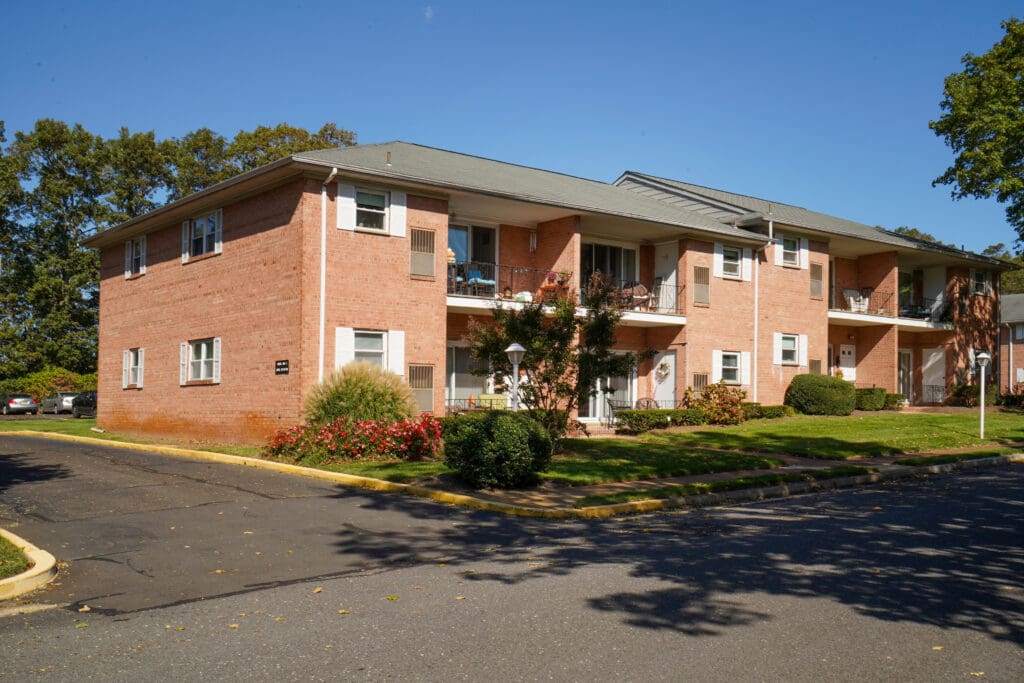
(665, 379)
(848, 361)
(933, 375)
(666, 263)
(905, 383)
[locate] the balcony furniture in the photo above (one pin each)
(634, 296)
(478, 284)
(855, 301)
(614, 406)
(492, 402)
(655, 299)
(550, 291)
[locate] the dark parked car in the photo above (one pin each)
(58, 403)
(18, 403)
(84, 405)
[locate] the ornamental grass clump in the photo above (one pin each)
(360, 391)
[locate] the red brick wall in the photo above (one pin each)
(558, 247)
(249, 296)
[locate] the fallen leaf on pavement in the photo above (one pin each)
(937, 647)
(85, 608)
(81, 624)
(217, 571)
(392, 597)
(232, 625)
(318, 589)
(344, 611)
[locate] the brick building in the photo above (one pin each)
(1011, 344)
(219, 311)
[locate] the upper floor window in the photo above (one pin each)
(135, 257)
(202, 235)
(371, 210)
(790, 251)
(1018, 331)
(731, 262)
(616, 264)
(981, 282)
(473, 243)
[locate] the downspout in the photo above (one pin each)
(757, 292)
(1009, 367)
(323, 269)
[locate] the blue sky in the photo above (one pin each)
(823, 105)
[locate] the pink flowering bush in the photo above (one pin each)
(345, 439)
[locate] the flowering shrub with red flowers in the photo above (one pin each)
(345, 439)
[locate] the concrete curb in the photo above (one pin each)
(596, 512)
(42, 571)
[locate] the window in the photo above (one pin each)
(421, 244)
(369, 347)
(701, 285)
(1018, 331)
(135, 257)
(201, 236)
(421, 379)
(789, 349)
(790, 251)
(200, 361)
(730, 367)
(731, 262)
(616, 264)
(817, 276)
(371, 210)
(131, 369)
(473, 243)
(980, 282)
(382, 348)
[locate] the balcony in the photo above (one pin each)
(863, 307)
(473, 286)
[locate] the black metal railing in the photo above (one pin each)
(933, 393)
(932, 310)
(864, 300)
(520, 283)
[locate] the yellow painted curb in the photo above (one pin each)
(42, 571)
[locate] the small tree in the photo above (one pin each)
(565, 354)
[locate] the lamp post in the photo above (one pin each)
(515, 352)
(983, 358)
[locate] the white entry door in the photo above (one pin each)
(666, 263)
(933, 375)
(665, 379)
(848, 361)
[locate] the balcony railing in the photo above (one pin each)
(933, 393)
(519, 283)
(864, 301)
(932, 310)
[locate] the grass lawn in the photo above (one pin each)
(841, 438)
(955, 457)
(12, 560)
(722, 485)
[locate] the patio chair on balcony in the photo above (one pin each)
(855, 301)
(479, 285)
(634, 296)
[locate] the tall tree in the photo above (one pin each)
(914, 233)
(139, 173)
(1011, 282)
(983, 123)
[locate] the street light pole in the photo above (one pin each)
(983, 358)
(515, 352)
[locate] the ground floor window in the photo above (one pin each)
(462, 387)
(133, 361)
(200, 360)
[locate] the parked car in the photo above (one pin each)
(18, 403)
(84, 405)
(58, 403)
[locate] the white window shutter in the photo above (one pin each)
(717, 269)
(397, 217)
(216, 359)
(396, 352)
(1020, 375)
(183, 374)
(344, 346)
(218, 233)
(142, 367)
(778, 249)
(805, 253)
(972, 363)
(802, 350)
(346, 206)
(716, 366)
(777, 348)
(126, 364)
(142, 250)
(745, 368)
(748, 263)
(185, 239)
(127, 259)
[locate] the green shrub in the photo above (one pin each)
(821, 395)
(967, 394)
(640, 421)
(722, 404)
(496, 449)
(870, 398)
(755, 411)
(49, 381)
(894, 402)
(689, 416)
(360, 391)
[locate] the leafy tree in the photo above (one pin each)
(983, 124)
(199, 159)
(915, 234)
(1011, 282)
(565, 354)
(139, 174)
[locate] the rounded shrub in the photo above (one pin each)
(496, 449)
(360, 391)
(872, 398)
(894, 402)
(821, 395)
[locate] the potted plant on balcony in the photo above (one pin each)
(563, 277)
